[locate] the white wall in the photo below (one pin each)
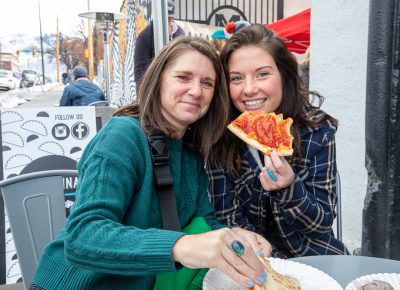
(291, 7)
(339, 31)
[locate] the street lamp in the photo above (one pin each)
(105, 21)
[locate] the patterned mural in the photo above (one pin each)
(116, 92)
(123, 88)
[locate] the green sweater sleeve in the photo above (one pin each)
(95, 238)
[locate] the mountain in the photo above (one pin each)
(28, 43)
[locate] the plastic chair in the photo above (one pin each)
(35, 205)
(338, 208)
(100, 104)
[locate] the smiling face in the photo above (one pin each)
(255, 82)
(187, 89)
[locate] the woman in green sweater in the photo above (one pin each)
(114, 236)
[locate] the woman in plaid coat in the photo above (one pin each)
(290, 201)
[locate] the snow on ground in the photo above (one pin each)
(13, 98)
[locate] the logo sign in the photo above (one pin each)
(104, 16)
(60, 131)
(224, 14)
(80, 130)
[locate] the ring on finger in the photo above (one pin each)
(271, 174)
(237, 247)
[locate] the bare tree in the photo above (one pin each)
(72, 47)
(71, 51)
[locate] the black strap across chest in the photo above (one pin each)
(164, 180)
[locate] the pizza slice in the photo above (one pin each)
(276, 281)
(264, 131)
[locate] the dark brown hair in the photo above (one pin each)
(295, 102)
(202, 134)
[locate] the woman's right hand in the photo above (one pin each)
(213, 250)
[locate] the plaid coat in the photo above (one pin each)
(303, 213)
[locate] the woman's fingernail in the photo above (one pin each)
(259, 253)
(271, 175)
(261, 279)
(250, 283)
(264, 274)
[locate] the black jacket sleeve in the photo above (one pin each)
(144, 53)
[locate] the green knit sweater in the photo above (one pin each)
(113, 238)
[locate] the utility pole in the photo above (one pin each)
(90, 46)
(41, 45)
(57, 54)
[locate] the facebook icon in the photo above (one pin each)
(80, 130)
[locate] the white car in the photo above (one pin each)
(8, 80)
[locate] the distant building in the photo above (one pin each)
(9, 61)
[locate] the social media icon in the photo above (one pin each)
(80, 130)
(60, 131)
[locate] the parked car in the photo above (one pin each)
(46, 79)
(8, 80)
(18, 75)
(29, 77)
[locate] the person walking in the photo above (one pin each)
(64, 77)
(82, 91)
(144, 47)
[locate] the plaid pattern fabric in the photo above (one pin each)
(303, 213)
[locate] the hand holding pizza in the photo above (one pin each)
(277, 173)
(270, 134)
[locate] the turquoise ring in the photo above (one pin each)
(237, 247)
(271, 175)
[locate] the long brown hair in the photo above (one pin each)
(202, 134)
(295, 102)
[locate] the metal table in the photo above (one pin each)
(345, 269)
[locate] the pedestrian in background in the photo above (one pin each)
(64, 77)
(304, 69)
(291, 202)
(82, 91)
(144, 47)
(218, 39)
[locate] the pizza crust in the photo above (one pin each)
(281, 150)
(276, 281)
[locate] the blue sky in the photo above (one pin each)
(22, 16)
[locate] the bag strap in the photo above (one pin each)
(164, 180)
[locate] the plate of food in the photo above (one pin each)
(281, 274)
(379, 281)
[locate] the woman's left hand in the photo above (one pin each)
(277, 173)
(259, 244)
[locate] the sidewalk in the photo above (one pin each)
(49, 98)
(16, 286)
(37, 96)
